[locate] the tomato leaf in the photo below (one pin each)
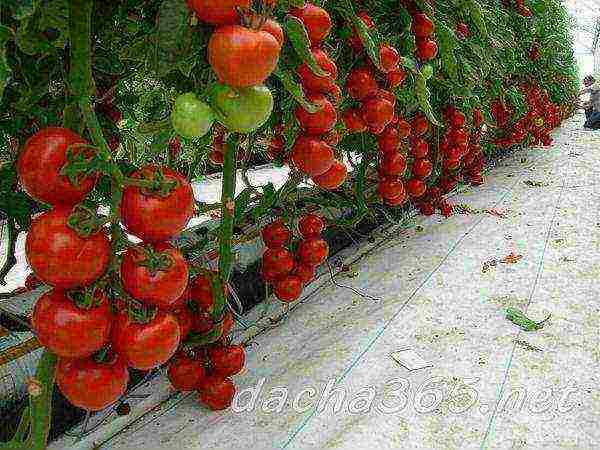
(174, 38)
(241, 204)
(45, 28)
(297, 35)
(422, 93)
(5, 70)
(363, 32)
(295, 89)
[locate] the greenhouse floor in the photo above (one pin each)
(529, 238)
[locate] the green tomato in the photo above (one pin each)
(242, 110)
(191, 117)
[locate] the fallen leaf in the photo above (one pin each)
(511, 259)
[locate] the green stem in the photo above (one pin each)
(41, 406)
(226, 228)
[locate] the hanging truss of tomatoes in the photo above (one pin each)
(111, 110)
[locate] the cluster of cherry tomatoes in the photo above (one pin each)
(541, 118)
(313, 150)
(289, 271)
(423, 28)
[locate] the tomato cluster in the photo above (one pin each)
(423, 28)
(286, 271)
(313, 151)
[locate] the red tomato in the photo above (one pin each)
(230, 49)
(397, 201)
(276, 234)
(216, 392)
(202, 322)
(389, 139)
(312, 156)
(422, 26)
(319, 122)
(393, 164)
(288, 289)
(390, 188)
(395, 78)
(422, 168)
(145, 346)
(227, 360)
(415, 187)
(227, 324)
(92, 385)
(310, 225)
(185, 373)
(185, 320)
(218, 12)
(389, 58)
(419, 125)
(426, 49)
(313, 251)
(459, 136)
(274, 29)
(60, 257)
(457, 119)
(361, 83)
(377, 113)
(419, 148)
(305, 273)
(40, 163)
(277, 261)
(201, 292)
(68, 330)
(426, 208)
(354, 122)
(404, 129)
(153, 217)
(316, 21)
(462, 29)
(156, 276)
(333, 178)
(216, 157)
(313, 83)
(332, 138)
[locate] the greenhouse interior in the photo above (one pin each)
(293, 224)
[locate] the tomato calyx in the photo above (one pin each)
(106, 355)
(83, 161)
(155, 261)
(86, 298)
(154, 183)
(85, 222)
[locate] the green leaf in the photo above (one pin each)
(474, 10)
(241, 204)
(363, 33)
(5, 71)
(266, 202)
(519, 318)
(174, 36)
(52, 16)
(422, 93)
(297, 35)
(295, 89)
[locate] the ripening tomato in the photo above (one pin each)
(332, 138)
(422, 168)
(415, 187)
(459, 136)
(156, 276)
(419, 148)
(462, 29)
(310, 225)
(389, 58)
(184, 319)
(393, 164)
(202, 322)
(216, 392)
(457, 119)
(312, 156)
(276, 234)
(227, 360)
(232, 47)
(313, 251)
(241, 110)
(68, 330)
(377, 113)
(333, 178)
(277, 261)
(316, 21)
(62, 258)
(313, 83)
(305, 273)
(361, 83)
(218, 12)
(404, 129)
(153, 216)
(395, 78)
(288, 289)
(145, 346)
(92, 385)
(389, 139)
(426, 208)
(191, 117)
(354, 122)
(201, 291)
(422, 26)
(319, 122)
(41, 161)
(426, 49)
(185, 373)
